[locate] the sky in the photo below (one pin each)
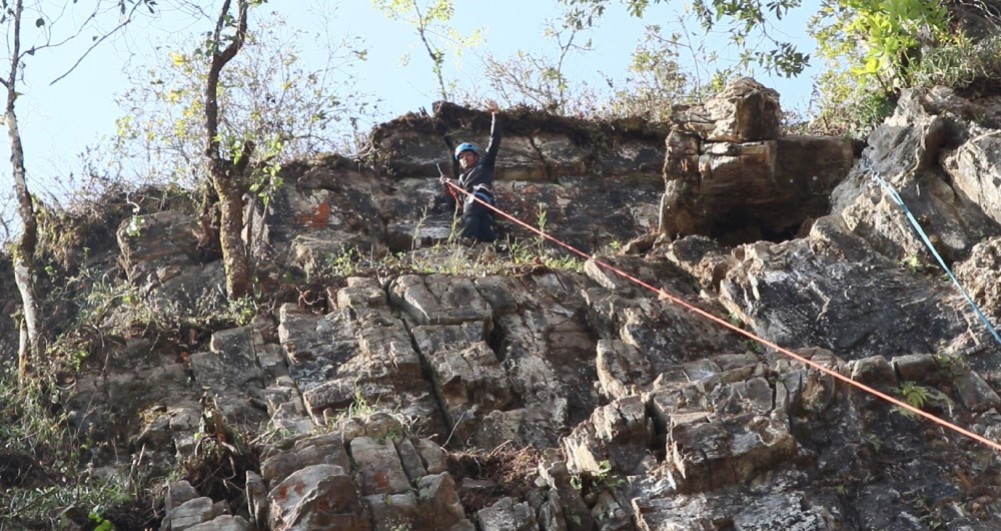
(59, 121)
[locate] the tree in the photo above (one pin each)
(883, 40)
(538, 80)
(24, 255)
(657, 80)
(268, 95)
(227, 162)
(266, 98)
(31, 326)
(744, 20)
(874, 49)
(430, 20)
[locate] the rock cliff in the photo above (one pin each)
(402, 381)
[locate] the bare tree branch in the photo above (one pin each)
(97, 42)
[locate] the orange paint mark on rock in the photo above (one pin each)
(318, 218)
(381, 480)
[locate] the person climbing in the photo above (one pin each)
(476, 177)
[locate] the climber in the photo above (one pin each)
(476, 177)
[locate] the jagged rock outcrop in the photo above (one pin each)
(160, 256)
(933, 154)
(531, 397)
(791, 293)
(732, 175)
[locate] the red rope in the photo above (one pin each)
(895, 401)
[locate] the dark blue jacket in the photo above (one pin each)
(483, 171)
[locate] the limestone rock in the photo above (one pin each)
(257, 499)
(223, 523)
(379, 468)
(622, 368)
(440, 503)
(320, 449)
(618, 437)
(745, 111)
(353, 357)
(794, 296)
(507, 515)
(438, 299)
(190, 513)
(975, 275)
(976, 394)
(875, 371)
(230, 371)
(161, 256)
(731, 175)
(372, 377)
(725, 436)
(785, 512)
(317, 497)
(905, 151)
(558, 162)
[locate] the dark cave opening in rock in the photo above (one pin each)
(742, 227)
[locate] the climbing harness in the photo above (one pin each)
(892, 192)
(481, 192)
(734, 328)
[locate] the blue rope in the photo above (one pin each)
(924, 237)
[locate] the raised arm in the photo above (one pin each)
(495, 133)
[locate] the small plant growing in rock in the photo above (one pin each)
(915, 264)
(540, 221)
(600, 479)
(100, 522)
(753, 346)
(415, 237)
(344, 263)
(914, 394)
(604, 475)
(453, 234)
(241, 310)
(361, 407)
(39, 445)
(949, 366)
(134, 230)
(273, 436)
(874, 441)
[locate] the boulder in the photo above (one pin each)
(317, 497)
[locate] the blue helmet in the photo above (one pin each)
(466, 146)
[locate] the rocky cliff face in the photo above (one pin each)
(472, 389)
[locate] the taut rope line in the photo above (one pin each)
(663, 294)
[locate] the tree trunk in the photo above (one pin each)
(24, 255)
(227, 174)
(30, 349)
(234, 250)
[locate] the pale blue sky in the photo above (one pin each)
(58, 122)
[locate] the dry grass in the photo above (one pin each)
(483, 477)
